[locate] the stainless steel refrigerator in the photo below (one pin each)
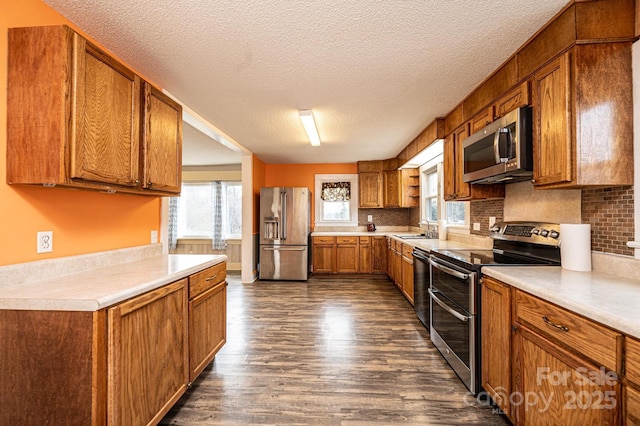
(285, 215)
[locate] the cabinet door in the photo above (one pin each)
(104, 142)
(379, 255)
(496, 333)
(391, 188)
(364, 255)
(449, 168)
(463, 189)
(347, 258)
(553, 386)
(397, 269)
(207, 327)
(390, 259)
(482, 120)
(162, 141)
(407, 278)
(552, 136)
(515, 99)
(370, 188)
(324, 258)
(148, 367)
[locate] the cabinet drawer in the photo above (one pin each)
(324, 240)
(206, 279)
(347, 240)
(364, 241)
(596, 342)
(632, 360)
(407, 251)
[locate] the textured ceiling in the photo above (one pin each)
(374, 72)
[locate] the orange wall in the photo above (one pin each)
(81, 221)
(303, 175)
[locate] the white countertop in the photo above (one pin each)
(606, 298)
(97, 288)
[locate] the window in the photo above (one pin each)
(336, 200)
(457, 213)
(431, 204)
(433, 208)
(196, 210)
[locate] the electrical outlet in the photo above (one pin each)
(154, 237)
(45, 242)
(476, 226)
(369, 218)
(492, 221)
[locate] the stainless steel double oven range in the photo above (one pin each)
(448, 300)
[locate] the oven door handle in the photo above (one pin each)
(449, 270)
(448, 308)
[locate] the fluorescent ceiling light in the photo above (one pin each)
(424, 156)
(306, 116)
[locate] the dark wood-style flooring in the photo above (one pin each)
(337, 351)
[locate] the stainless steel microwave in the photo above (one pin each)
(501, 152)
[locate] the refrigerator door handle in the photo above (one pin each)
(301, 248)
(283, 228)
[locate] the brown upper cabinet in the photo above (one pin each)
(582, 113)
(76, 117)
(370, 183)
(402, 188)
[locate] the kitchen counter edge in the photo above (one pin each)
(100, 288)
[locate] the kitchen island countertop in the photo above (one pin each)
(98, 288)
(609, 299)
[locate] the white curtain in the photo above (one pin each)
(218, 241)
(173, 222)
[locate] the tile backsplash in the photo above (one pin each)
(481, 211)
(610, 213)
(385, 217)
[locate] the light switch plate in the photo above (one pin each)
(476, 226)
(492, 221)
(154, 237)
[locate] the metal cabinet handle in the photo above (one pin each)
(212, 277)
(553, 324)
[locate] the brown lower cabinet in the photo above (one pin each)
(126, 364)
(543, 364)
(349, 254)
(148, 355)
(400, 267)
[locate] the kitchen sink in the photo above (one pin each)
(414, 237)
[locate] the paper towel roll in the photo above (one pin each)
(575, 247)
(442, 230)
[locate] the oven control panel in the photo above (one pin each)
(529, 232)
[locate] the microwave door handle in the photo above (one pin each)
(496, 145)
